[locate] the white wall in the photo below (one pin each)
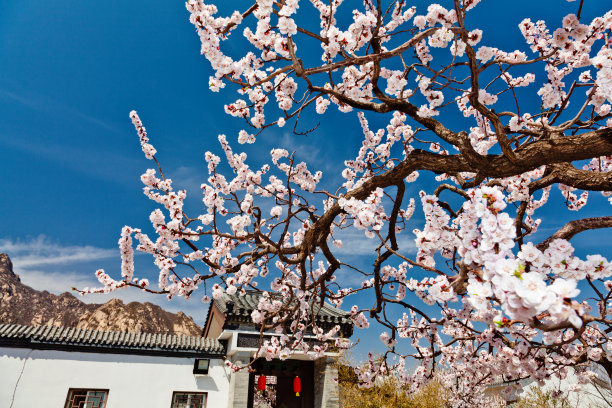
(133, 381)
(586, 395)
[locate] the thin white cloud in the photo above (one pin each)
(291, 142)
(355, 243)
(41, 251)
(58, 282)
(43, 103)
(47, 265)
(188, 178)
(86, 161)
(304, 151)
(350, 278)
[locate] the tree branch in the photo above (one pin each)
(574, 227)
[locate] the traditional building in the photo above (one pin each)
(229, 320)
(48, 366)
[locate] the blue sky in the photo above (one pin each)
(70, 72)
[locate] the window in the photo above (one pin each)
(189, 400)
(201, 366)
(81, 398)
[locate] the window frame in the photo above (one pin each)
(71, 390)
(205, 393)
(198, 371)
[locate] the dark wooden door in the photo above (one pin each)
(285, 396)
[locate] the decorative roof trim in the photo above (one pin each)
(102, 341)
(238, 308)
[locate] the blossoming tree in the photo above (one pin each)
(496, 305)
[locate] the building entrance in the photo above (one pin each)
(278, 390)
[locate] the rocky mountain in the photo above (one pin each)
(22, 304)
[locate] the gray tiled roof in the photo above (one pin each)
(61, 338)
(239, 307)
(244, 305)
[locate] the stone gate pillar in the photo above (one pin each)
(326, 393)
(239, 383)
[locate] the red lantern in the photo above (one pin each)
(261, 383)
(297, 386)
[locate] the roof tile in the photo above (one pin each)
(62, 336)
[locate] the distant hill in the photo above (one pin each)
(22, 304)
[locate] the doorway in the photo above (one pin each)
(279, 391)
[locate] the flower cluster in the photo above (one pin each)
(509, 308)
(148, 149)
(368, 214)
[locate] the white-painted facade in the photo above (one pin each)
(41, 378)
(40, 365)
(588, 395)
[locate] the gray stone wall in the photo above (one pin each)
(326, 391)
(239, 383)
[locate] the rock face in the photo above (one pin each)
(21, 304)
